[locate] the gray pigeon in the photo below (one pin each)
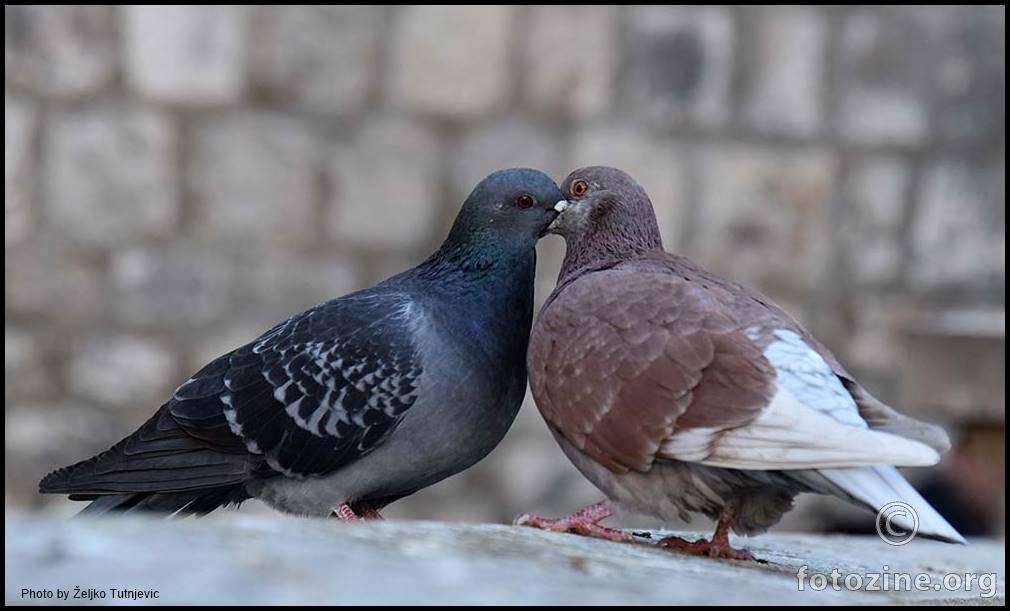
(676, 391)
(358, 401)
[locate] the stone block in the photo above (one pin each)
(283, 283)
(679, 64)
(189, 55)
(385, 182)
(762, 217)
(177, 287)
(60, 51)
(19, 168)
(570, 59)
(122, 371)
(46, 280)
(970, 74)
(111, 176)
(25, 372)
(958, 232)
(871, 222)
(785, 63)
(451, 61)
(318, 58)
(255, 177)
(884, 76)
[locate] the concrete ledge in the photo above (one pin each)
(241, 559)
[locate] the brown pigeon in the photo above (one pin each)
(675, 391)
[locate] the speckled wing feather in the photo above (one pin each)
(314, 392)
(654, 359)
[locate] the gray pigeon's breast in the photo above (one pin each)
(463, 409)
(462, 412)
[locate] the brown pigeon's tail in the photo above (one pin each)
(880, 486)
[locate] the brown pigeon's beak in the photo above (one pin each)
(560, 207)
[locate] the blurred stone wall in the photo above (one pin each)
(177, 179)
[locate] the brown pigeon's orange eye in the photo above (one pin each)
(579, 188)
(524, 201)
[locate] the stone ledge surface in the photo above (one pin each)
(236, 559)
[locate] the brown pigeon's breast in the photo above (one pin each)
(668, 491)
(672, 490)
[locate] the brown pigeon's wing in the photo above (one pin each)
(616, 358)
(765, 317)
(882, 417)
(630, 366)
(878, 415)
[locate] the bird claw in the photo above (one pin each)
(356, 512)
(573, 525)
(345, 513)
(704, 547)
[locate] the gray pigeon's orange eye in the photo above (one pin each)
(579, 188)
(524, 201)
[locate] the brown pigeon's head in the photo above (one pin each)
(607, 208)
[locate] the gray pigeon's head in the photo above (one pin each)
(606, 208)
(514, 205)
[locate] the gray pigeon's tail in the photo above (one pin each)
(877, 486)
(107, 503)
(157, 468)
(194, 503)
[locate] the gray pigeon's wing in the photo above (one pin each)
(315, 392)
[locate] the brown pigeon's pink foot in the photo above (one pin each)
(718, 547)
(583, 522)
(703, 547)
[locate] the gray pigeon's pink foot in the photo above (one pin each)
(718, 547)
(583, 522)
(356, 512)
(345, 513)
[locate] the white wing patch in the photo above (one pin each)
(808, 377)
(812, 422)
(789, 435)
(691, 445)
